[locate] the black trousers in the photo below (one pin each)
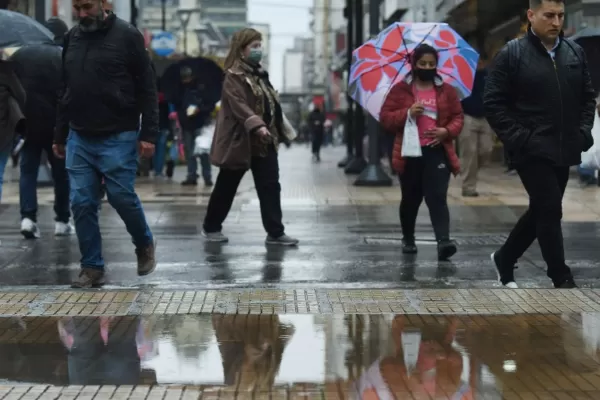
(317, 142)
(265, 171)
(545, 184)
(426, 177)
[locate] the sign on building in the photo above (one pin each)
(163, 43)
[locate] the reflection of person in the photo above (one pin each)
(251, 348)
(250, 127)
(436, 110)
(540, 101)
(98, 358)
(425, 364)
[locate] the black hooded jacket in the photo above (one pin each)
(541, 108)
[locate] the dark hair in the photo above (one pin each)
(536, 3)
(420, 51)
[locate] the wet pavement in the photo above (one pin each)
(352, 356)
(341, 246)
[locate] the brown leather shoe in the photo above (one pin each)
(146, 259)
(89, 278)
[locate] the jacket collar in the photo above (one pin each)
(437, 81)
(535, 39)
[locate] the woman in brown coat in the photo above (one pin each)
(250, 126)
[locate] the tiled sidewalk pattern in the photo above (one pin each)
(425, 301)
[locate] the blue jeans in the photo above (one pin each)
(31, 155)
(160, 152)
(115, 159)
(4, 156)
(189, 142)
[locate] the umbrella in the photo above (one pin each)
(207, 73)
(382, 62)
(586, 33)
(19, 30)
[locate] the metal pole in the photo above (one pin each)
(373, 174)
(349, 120)
(358, 163)
(163, 10)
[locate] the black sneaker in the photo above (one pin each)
(409, 246)
(283, 240)
(446, 249)
(506, 276)
(208, 183)
(189, 182)
(567, 284)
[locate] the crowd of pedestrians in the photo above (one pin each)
(105, 112)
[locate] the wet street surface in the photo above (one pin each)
(303, 356)
(346, 246)
(344, 316)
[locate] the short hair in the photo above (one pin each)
(536, 3)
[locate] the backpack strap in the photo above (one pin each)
(514, 56)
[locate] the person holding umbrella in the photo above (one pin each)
(12, 119)
(423, 97)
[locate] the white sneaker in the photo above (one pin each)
(29, 229)
(63, 229)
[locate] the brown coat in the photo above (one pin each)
(242, 108)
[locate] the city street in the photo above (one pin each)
(347, 294)
(350, 237)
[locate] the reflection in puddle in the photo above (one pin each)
(357, 356)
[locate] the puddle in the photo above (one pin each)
(360, 356)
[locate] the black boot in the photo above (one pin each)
(409, 246)
(446, 249)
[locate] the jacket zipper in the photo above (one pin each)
(87, 46)
(560, 154)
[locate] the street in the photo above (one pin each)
(350, 238)
(345, 300)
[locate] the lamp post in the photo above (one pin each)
(349, 122)
(373, 174)
(358, 163)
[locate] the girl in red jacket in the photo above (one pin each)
(434, 107)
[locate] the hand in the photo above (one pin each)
(59, 150)
(146, 149)
(437, 134)
(264, 132)
(416, 109)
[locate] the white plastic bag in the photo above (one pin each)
(288, 129)
(203, 141)
(591, 158)
(411, 145)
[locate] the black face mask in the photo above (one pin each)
(425, 74)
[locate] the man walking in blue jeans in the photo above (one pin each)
(108, 82)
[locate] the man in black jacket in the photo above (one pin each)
(109, 82)
(540, 102)
(316, 122)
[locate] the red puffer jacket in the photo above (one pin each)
(450, 116)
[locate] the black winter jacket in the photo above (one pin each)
(109, 82)
(541, 108)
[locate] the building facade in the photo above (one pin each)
(229, 16)
(299, 67)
